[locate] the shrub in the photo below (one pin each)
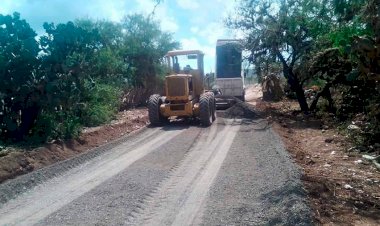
(57, 125)
(102, 103)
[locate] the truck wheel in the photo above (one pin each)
(243, 97)
(154, 103)
(205, 112)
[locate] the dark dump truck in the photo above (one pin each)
(229, 77)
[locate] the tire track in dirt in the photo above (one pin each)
(179, 198)
(21, 184)
(38, 203)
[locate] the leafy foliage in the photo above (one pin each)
(145, 44)
(282, 30)
(18, 72)
(332, 43)
(73, 76)
(102, 102)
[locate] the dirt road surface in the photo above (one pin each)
(235, 172)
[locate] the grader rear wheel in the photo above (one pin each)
(205, 110)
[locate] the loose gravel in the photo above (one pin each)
(236, 172)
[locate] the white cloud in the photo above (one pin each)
(144, 6)
(208, 26)
(193, 44)
(188, 4)
(194, 29)
(8, 6)
(169, 25)
(228, 6)
(112, 10)
(36, 12)
(213, 31)
(208, 50)
(168, 22)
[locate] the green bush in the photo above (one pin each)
(58, 125)
(102, 104)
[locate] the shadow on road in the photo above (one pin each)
(240, 113)
(178, 124)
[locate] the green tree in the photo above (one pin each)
(145, 44)
(20, 87)
(334, 43)
(68, 51)
(73, 75)
(283, 30)
(366, 52)
(107, 64)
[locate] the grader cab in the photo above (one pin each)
(185, 94)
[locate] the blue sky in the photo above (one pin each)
(196, 24)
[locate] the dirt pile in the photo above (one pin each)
(240, 110)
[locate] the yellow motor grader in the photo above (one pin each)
(185, 93)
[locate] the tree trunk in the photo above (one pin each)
(325, 92)
(301, 97)
(259, 73)
(296, 87)
(294, 83)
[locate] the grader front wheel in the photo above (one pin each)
(154, 114)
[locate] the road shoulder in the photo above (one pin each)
(342, 187)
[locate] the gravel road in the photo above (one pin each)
(235, 172)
